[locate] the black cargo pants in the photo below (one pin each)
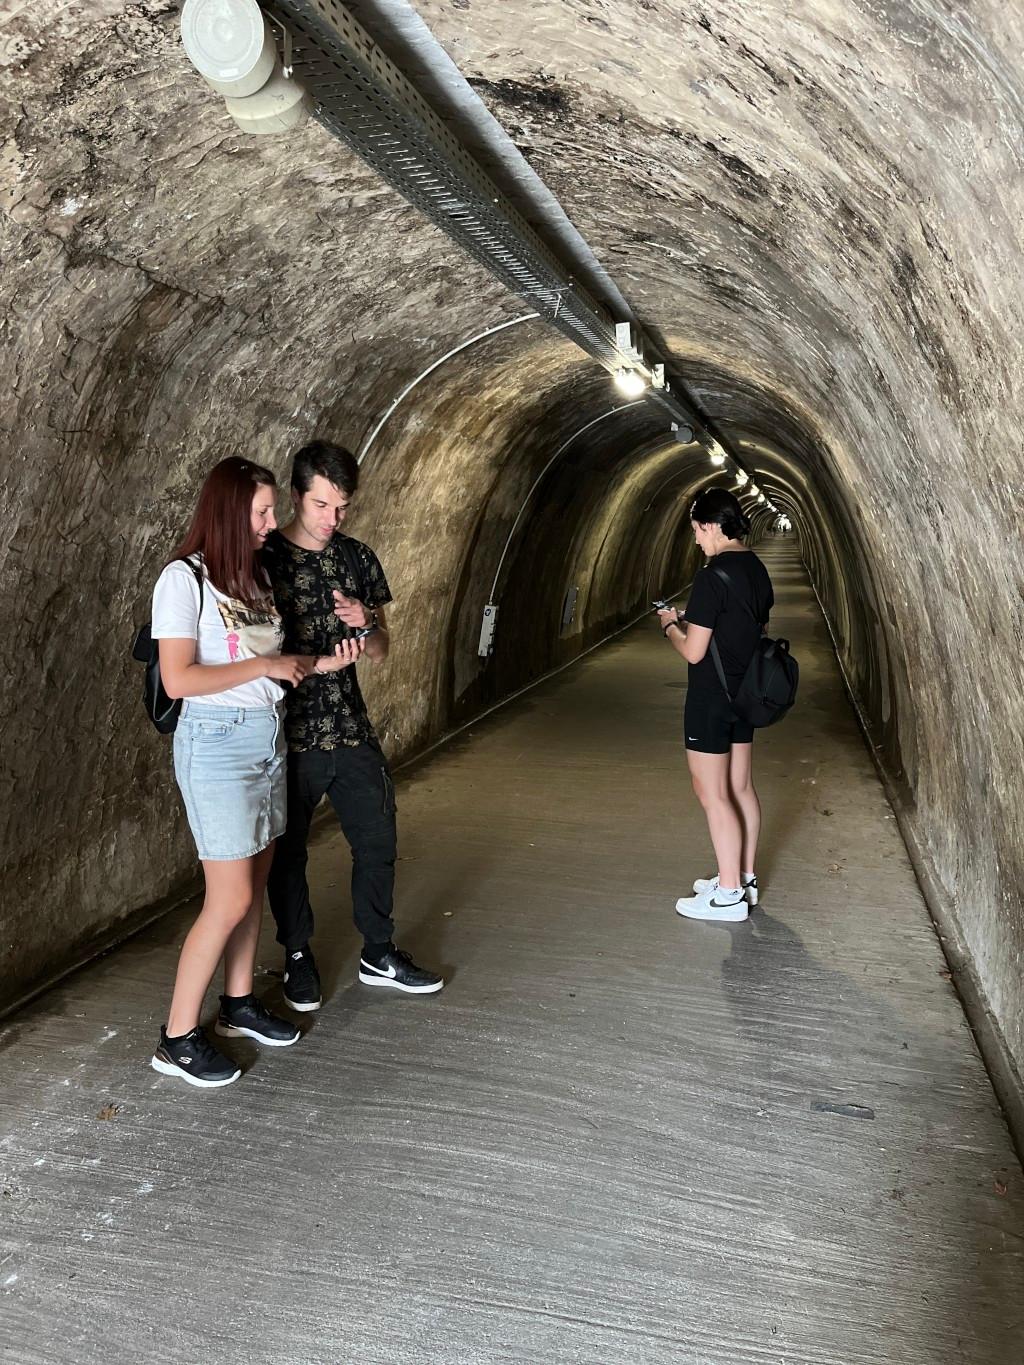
(357, 781)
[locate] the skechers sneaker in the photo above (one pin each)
(195, 1059)
(301, 980)
(397, 970)
(749, 886)
(250, 1018)
(714, 904)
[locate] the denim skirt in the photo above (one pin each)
(230, 766)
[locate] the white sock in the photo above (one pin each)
(748, 876)
(731, 891)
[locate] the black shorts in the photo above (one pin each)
(710, 725)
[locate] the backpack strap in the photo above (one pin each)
(352, 563)
(197, 570)
(715, 656)
(716, 659)
(720, 573)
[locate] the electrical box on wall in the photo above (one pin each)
(569, 608)
(486, 646)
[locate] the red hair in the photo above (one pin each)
(221, 529)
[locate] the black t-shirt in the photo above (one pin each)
(721, 609)
(325, 711)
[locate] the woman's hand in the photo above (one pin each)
(289, 668)
(669, 616)
(345, 654)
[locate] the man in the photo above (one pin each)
(327, 587)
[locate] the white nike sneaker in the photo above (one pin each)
(749, 886)
(714, 904)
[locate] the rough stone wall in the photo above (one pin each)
(817, 207)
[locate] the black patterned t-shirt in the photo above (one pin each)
(325, 711)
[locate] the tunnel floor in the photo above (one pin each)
(602, 1142)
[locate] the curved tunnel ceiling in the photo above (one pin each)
(816, 212)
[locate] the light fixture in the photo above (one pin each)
(683, 434)
(742, 477)
(231, 45)
(630, 382)
(754, 491)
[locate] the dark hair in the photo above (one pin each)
(333, 463)
(221, 529)
(721, 507)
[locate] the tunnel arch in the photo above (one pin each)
(814, 212)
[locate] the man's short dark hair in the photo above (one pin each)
(333, 463)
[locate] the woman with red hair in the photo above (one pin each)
(220, 652)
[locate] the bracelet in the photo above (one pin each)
(666, 629)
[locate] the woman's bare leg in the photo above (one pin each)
(710, 775)
(240, 952)
(744, 795)
(229, 895)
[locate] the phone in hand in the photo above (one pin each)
(362, 632)
(661, 606)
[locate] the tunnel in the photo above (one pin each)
(802, 224)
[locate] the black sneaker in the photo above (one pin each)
(397, 970)
(250, 1018)
(301, 980)
(194, 1059)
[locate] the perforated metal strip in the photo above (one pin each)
(364, 99)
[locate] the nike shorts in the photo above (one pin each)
(710, 725)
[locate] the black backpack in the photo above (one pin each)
(160, 708)
(768, 689)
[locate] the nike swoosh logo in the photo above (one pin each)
(726, 905)
(379, 970)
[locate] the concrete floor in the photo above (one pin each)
(600, 1144)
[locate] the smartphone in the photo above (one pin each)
(661, 606)
(362, 632)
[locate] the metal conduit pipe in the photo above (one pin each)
(364, 449)
(487, 629)
(537, 481)
(364, 99)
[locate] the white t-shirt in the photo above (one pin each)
(227, 632)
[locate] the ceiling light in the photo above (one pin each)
(683, 434)
(630, 383)
(741, 477)
(754, 490)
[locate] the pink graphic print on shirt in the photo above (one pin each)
(252, 632)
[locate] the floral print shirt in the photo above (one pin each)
(325, 711)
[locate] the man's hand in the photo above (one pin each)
(351, 611)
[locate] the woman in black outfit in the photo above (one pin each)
(718, 743)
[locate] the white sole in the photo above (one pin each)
(302, 1009)
(728, 914)
(397, 985)
(229, 1031)
(169, 1069)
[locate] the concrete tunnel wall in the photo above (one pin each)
(817, 211)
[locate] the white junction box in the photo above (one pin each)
(486, 646)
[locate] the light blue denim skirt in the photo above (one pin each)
(230, 766)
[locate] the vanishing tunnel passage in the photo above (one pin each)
(617, 1135)
(547, 270)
